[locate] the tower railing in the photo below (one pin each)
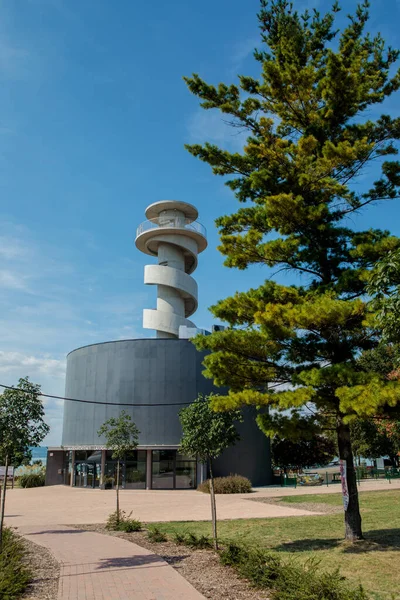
(171, 223)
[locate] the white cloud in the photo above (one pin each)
(16, 362)
(47, 371)
(10, 280)
(11, 248)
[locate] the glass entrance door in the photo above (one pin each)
(86, 474)
(79, 475)
(90, 475)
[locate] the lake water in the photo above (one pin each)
(39, 453)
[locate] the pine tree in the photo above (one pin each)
(293, 347)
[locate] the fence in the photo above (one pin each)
(318, 478)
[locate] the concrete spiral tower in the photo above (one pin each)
(173, 234)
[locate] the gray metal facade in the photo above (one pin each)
(149, 372)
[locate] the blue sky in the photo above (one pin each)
(94, 115)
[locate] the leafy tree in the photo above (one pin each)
(296, 347)
(22, 456)
(390, 430)
(378, 436)
(21, 426)
(384, 285)
(205, 435)
(370, 440)
(286, 453)
(122, 436)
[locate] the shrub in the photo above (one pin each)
(31, 480)
(14, 574)
(123, 522)
(108, 483)
(155, 535)
(289, 580)
(180, 538)
(200, 542)
(233, 484)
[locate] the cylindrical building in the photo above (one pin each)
(150, 379)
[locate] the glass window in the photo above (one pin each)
(94, 456)
(135, 475)
(185, 474)
(135, 470)
(80, 454)
(110, 475)
(163, 471)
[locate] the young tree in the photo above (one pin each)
(308, 140)
(205, 435)
(21, 426)
(121, 436)
(318, 450)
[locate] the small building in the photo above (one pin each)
(151, 380)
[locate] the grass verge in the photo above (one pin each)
(14, 574)
(372, 562)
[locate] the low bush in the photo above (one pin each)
(155, 535)
(32, 480)
(179, 538)
(200, 542)
(233, 484)
(289, 580)
(14, 574)
(122, 522)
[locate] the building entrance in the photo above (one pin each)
(87, 474)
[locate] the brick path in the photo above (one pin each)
(102, 567)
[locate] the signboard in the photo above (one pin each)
(10, 472)
(345, 491)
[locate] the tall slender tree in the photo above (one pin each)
(122, 436)
(22, 426)
(309, 137)
(205, 435)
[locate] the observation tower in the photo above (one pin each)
(150, 379)
(173, 234)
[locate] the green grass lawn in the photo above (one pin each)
(374, 562)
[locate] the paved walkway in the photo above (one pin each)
(76, 506)
(102, 567)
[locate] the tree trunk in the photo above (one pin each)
(117, 489)
(213, 507)
(3, 503)
(352, 517)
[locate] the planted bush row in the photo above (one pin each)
(31, 480)
(289, 579)
(232, 484)
(14, 574)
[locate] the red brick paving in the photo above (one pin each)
(102, 567)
